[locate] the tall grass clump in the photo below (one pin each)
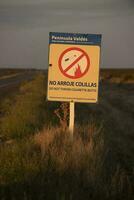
(78, 169)
(25, 114)
(49, 165)
(72, 166)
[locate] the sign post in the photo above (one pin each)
(73, 74)
(71, 119)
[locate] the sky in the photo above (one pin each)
(25, 27)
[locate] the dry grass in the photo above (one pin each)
(87, 147)
(51, 156)
(51, 161)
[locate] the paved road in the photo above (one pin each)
(4, 83)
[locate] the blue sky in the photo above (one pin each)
(25, 25)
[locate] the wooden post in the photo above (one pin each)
(71, 119)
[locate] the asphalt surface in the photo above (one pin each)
(26, 76)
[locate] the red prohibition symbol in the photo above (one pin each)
(74, 62)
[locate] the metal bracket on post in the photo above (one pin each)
(71, 119)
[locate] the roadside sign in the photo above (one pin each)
(73, 67)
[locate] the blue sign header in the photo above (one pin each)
(74, 38)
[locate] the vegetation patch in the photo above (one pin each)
(38, 159)
(24, 114)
